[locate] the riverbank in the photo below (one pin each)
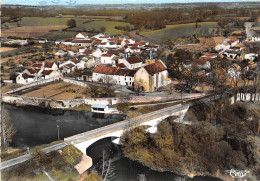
(203, 147)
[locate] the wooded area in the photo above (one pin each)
(223, 137)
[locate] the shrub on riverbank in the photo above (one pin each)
(203, 147)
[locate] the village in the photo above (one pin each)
(136, 65)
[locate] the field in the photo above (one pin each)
(60, 90)
(6, 49)
(40, 27)
(97, 24)
(30, 31)
(173, 32)
(39, 21)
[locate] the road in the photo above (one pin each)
(112, 127)
(28, 156)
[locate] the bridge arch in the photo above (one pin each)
(83, 146)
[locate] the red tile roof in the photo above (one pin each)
(47, 72)
(32, 71)
(26, 76)
(107, 55)
(155, 68)
(121, 65)
(48, 64)
(81, 41)
(133, 60)
(84, 33)
(37, 65)
(108, 70)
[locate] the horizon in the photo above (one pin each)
(104, 2)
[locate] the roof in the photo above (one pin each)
(83, 33)
(107, 55)
(26, 76)
(120, 65)
(102, 106)
(133, 60)
(37, 65)
(108, 70)
(32, 71)
(48, 64)
(47, 72)
(81, 41)
(155, 68)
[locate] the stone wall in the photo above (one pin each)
(43, 102)
(75, 82)
(40, 82)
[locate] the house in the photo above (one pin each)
(82, 35)
(67, 68)
(132, 62)
(80, 42)
(113, 75)
(37, 66)
(99, 108)
(47, 74)
(108, 59)
(151, 77)
(60, 53)
(24, 78)
(50, 66)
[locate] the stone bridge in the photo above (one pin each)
(84, 140)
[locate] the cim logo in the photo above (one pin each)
(237, 173)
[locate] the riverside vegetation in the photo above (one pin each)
(222, 137)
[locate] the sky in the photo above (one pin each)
(71, 2)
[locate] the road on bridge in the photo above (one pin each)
(116, 126)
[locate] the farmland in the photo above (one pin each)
(6, 49)
(173, 32)
(39, 21)
(34, 27)
(97, 24)
(30, 31)
(60, 90)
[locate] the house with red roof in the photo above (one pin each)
(113, 75)
(24, 78)
(82, 35)
(133, 62)
(107, 58)
(151, 77)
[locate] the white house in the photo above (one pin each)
(113, 75)
(24, 78)
(60, 53)
(108, 59)
(82, 35)
(47, 74)
(50, 66)
(132, 62)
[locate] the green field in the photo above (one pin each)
(97, 24)
(38, 21)
(173, 32)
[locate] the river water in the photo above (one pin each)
(34, 127)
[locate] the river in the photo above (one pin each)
(34, 127)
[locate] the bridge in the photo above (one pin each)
(84, 140)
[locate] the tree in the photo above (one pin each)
(71, 23)
(102, 29)
(7, 129)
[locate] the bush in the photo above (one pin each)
(123, 107)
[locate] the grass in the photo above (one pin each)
(39, 21)
(60, 164)
(173, 32)
(97, 24)
(82, 107)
